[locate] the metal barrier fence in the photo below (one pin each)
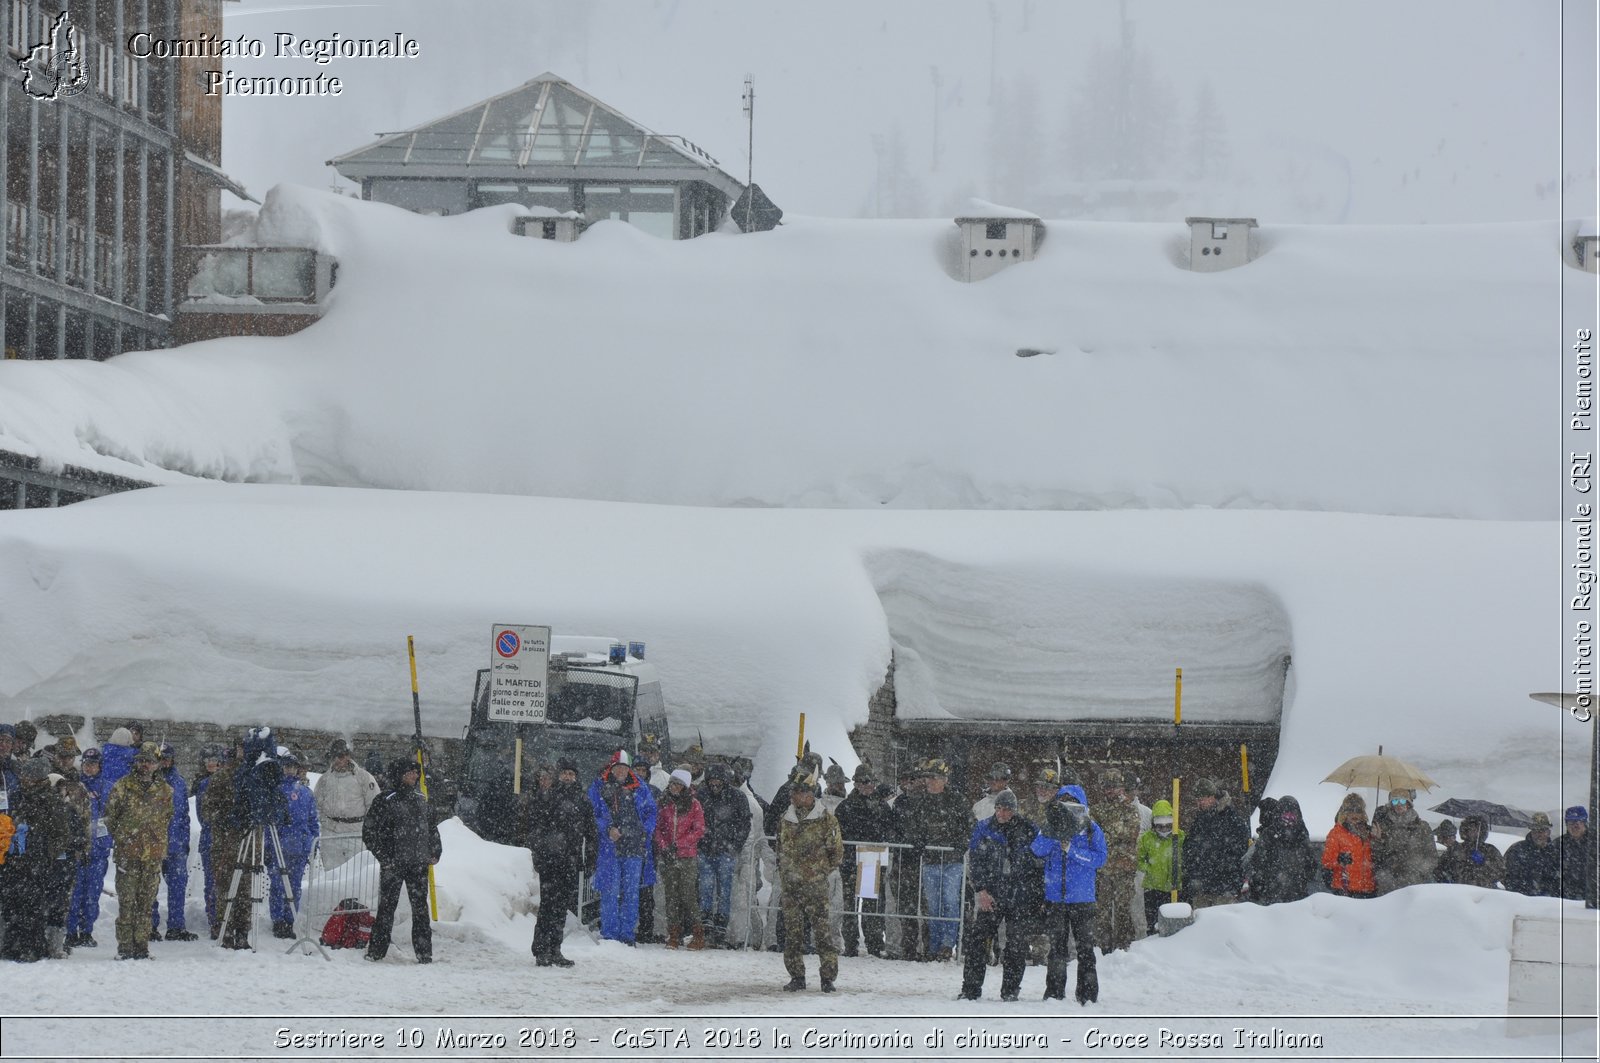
(340, 871)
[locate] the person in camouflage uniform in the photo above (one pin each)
(138, 814)
(810, 848)
(228, 834)
(1119, 821)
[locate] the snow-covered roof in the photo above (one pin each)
(218, 176)
(983, 210)
(545, 127)
(1200, 219)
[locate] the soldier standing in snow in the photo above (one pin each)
(138, 815)
(864, 816)
(1119, 820)
(809, 850)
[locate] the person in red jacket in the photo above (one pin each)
(680, 824)
(1347, 854)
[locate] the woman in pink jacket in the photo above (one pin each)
(680, 824)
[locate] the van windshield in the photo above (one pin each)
(592, 701)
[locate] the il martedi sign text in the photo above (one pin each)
(319, 50)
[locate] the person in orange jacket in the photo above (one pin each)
(1347, 854)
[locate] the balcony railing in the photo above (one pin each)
(47, 227)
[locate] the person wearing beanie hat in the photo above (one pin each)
(343, 794)
(43, 834)
(138, 815)
(1533, 865)
(561, 830)
(625, 821)
(1576, 853)
(999, 778)
(680, 824)
(810, 849)
(25, 734)
(400, 833)
(1347, 853)
(1008, 894)
(1159, 855)
(1213, 852)
(1115, 893)
(117, 755)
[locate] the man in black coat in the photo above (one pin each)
(43, 837)
(727, 814)
(1214, 848)
(399, 831)
(1008, 889)
(1533, 865)
(1576, 851)
(561, 831)
(864, 816)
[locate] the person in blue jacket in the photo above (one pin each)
(210, 763)
(297, 838)
(84, 908)
(175, 867)
(625, 819)
(116, 756)
(1073, 848)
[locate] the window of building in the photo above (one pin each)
(1219, 230)
(648, 207)
(491, 193)
(995, 230)
(289, 274)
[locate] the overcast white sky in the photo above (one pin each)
(1358, 111)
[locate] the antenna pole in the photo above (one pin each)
(750, 153)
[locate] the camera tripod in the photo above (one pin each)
(252, 855)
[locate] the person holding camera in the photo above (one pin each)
(1073, 848)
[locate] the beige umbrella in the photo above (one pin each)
(1381, 773)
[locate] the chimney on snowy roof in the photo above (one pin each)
(993, 237)
(1218, 243)
(1586, 249)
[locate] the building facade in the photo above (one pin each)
(105, 181)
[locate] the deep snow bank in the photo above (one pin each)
(836, 363)
(291, 605)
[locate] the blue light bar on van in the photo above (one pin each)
(636, 650)
(619, 653)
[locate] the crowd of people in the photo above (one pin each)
(687, 854)
(70, 816)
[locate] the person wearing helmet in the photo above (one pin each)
(296, 838)
(1073, 848)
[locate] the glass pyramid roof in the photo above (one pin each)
(545, 123)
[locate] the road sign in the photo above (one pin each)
(519, 672)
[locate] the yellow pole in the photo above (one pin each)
(1244, 765)
(800, 744)
(422, 771)
(1176, 851)
(1177, 698)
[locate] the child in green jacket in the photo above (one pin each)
(1160, 857)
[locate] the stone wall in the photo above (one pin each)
(874, 740)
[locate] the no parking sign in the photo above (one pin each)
(519, 672)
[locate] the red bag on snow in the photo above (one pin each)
(349, 927)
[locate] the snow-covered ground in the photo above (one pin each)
(1420, 973)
